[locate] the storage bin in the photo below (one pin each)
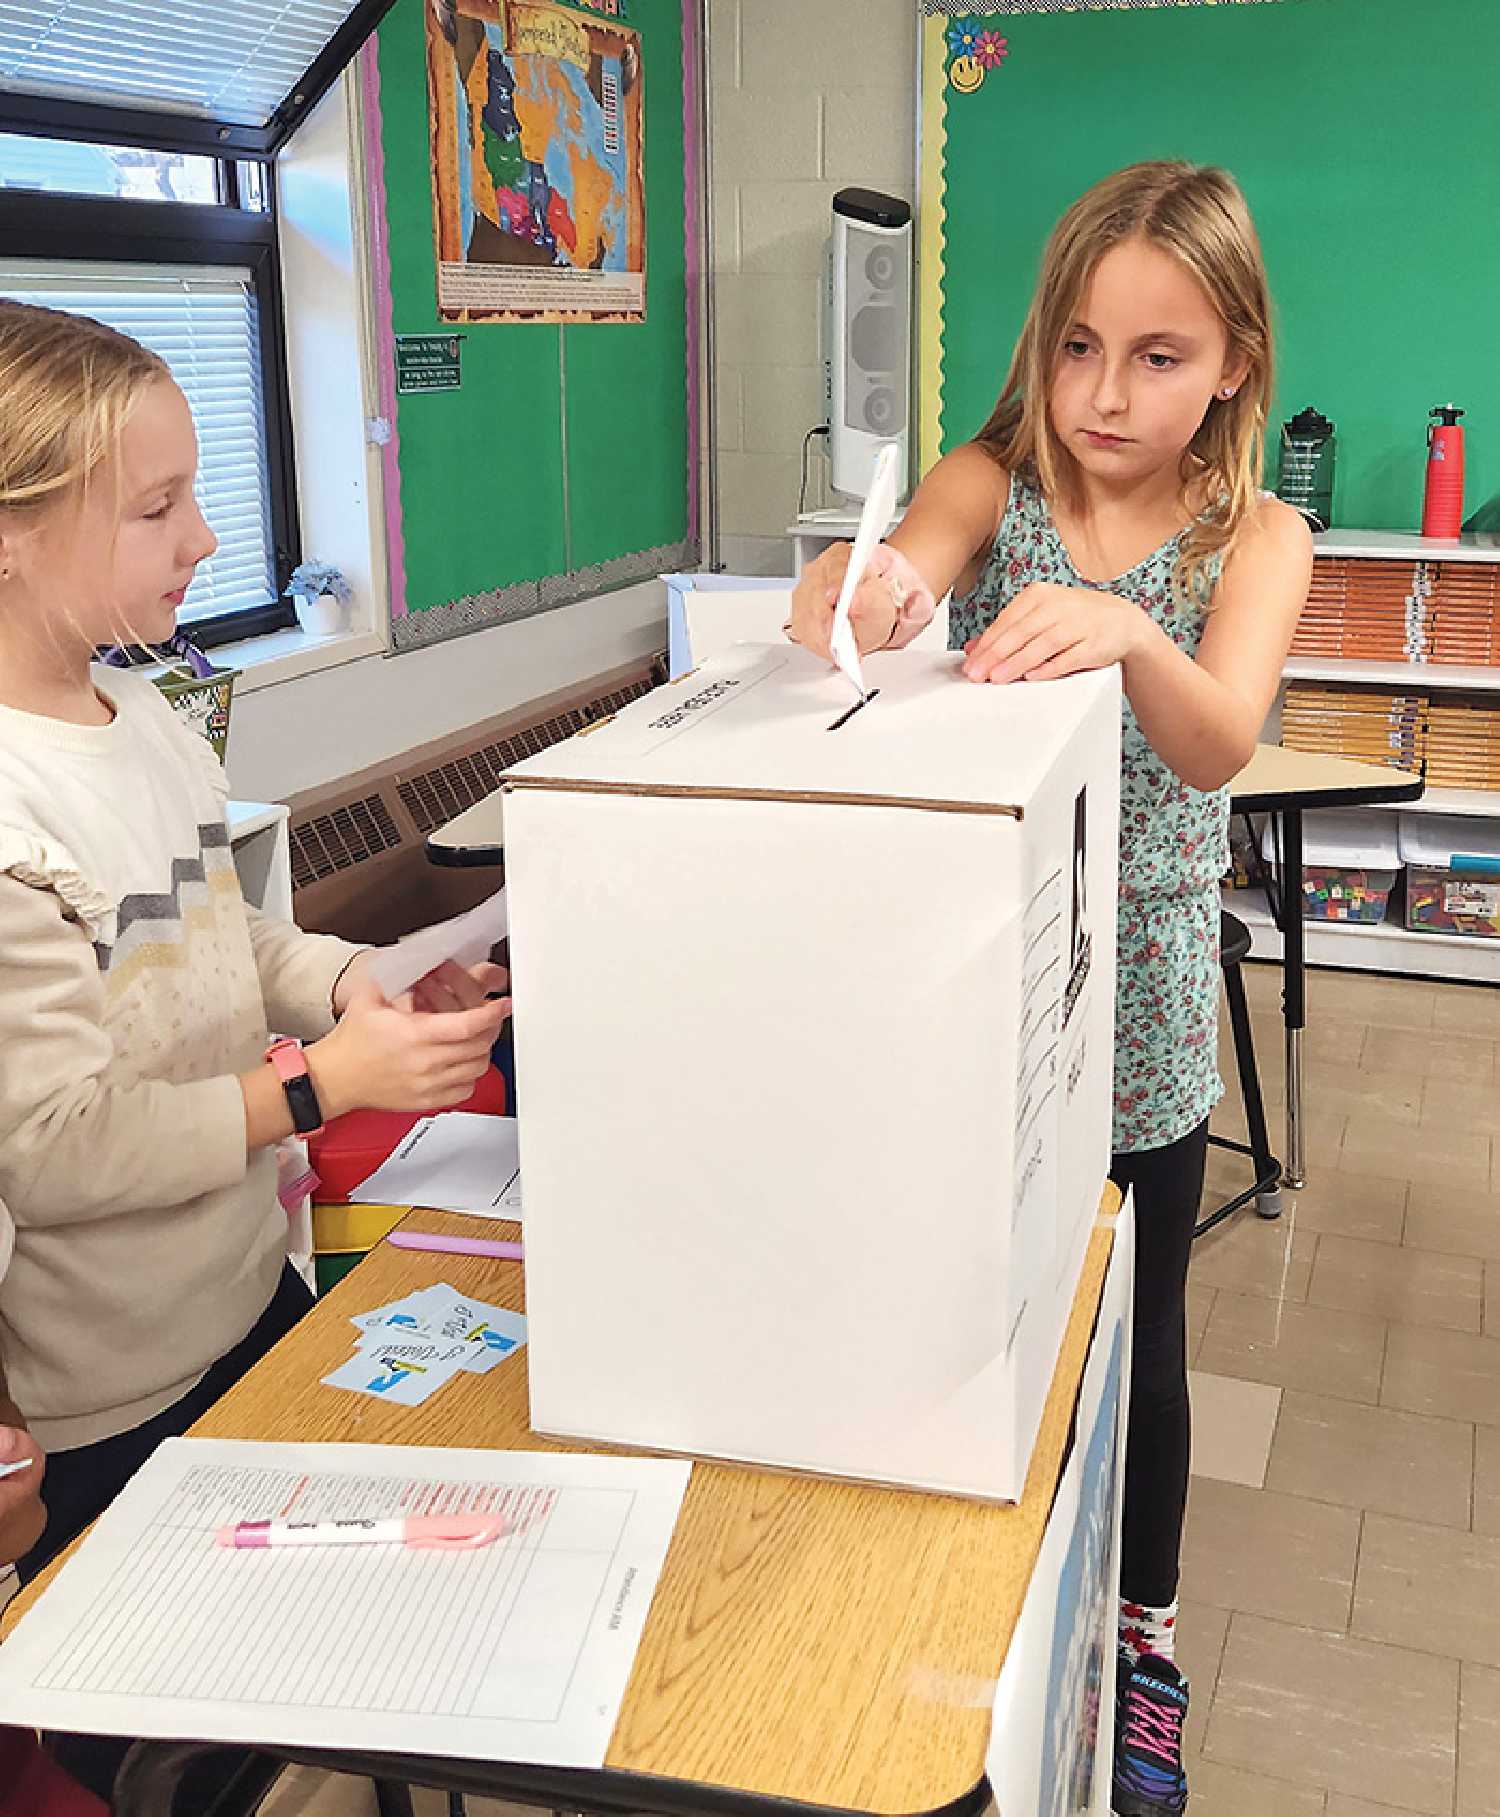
(1350, 863)
(345, 1152)
(203, 702)
(345, 1234)
(1453, 874)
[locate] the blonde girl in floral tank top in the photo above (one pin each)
(1172, 844)
(1109, 512)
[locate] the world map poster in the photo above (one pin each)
(538, 184)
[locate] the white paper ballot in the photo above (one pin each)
(466, 939)
(520, 1650)
(880, 508)
(459, 1161)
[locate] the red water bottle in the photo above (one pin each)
(1443, 507)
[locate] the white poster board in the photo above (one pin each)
(1053, 1732)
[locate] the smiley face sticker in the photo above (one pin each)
(966, 74)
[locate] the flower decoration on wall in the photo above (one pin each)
(974, 50)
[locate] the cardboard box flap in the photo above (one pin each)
(772, 721)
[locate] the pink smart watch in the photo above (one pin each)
(290, 1064)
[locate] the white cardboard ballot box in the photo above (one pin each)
(814, 1013)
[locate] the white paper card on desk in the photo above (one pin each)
(519, 1650)
(458, 1161)
(467, 940)
(880, 507)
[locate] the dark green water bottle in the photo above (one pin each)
(1307, 452)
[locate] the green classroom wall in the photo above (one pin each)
(482, 497)
(1366, 134)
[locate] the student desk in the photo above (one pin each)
(814, 1642)
(1286, 784)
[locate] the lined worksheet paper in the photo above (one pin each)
(520, 1650)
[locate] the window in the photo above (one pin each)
(158, 245)
(136, 150)
(213, 75)
(202, 321)
(70, 166)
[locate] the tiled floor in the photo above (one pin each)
(1341, 1587)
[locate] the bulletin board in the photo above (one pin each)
(531, 166)
(1366, 137)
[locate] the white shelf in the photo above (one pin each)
(1459, 676)
(1475, 804)
(1383, 947)
(1395, 545)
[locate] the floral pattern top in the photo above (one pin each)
(1173, 847)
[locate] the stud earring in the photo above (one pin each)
(1228, 392)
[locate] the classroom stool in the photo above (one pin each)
(1234, 949)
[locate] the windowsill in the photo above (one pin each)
(284, 655)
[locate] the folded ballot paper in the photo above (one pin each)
(467, 939)
(406, 1351)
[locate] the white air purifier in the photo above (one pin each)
(868, 357)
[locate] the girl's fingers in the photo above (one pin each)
(1010, 631)
(1025, 654)
(1071, 661)
(464, 1027)
(1043, 648)
(996, 662)
(434, 998)
(460, 984)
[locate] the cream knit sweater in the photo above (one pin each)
(135, 984)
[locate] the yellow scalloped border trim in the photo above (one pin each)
(932, 194)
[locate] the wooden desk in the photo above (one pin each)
(813, 1641)
(1286, 784)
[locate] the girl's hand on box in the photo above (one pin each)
(1049, 631)
(383, 1056)
(22, 1515)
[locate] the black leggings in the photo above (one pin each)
(1168, 1184)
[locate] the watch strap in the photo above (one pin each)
(290, 1064)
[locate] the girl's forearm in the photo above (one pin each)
(1200, 727)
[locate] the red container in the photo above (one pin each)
(1443, 506)
(349, 1150)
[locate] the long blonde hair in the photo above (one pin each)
(67, 387)
(1198, 214)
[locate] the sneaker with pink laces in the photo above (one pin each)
(1150, 1708)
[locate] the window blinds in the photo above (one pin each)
(202, 321)
(233, 61)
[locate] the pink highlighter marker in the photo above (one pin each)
(424, 1239)
(418, 1532)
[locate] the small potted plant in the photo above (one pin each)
(322, 596)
